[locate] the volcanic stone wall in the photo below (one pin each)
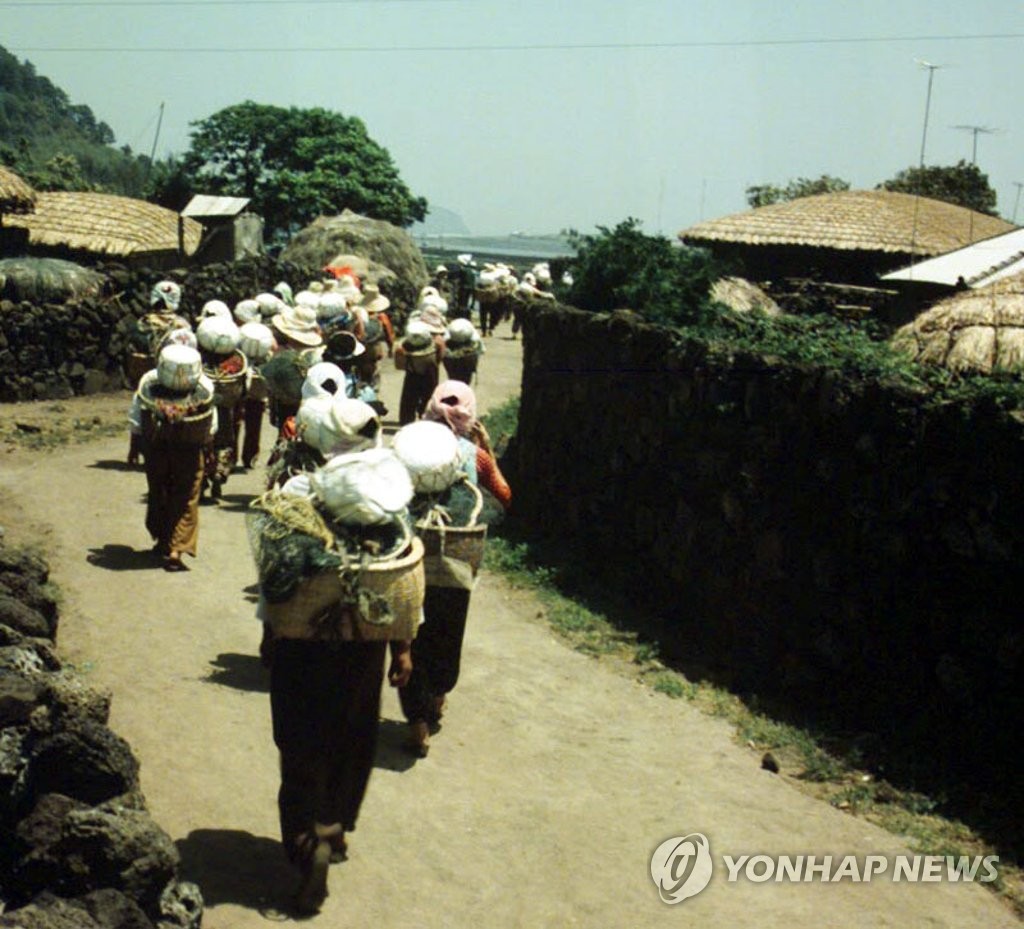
(77, 846)
(51, 350)
(798, 533)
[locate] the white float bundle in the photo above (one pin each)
(226, 365)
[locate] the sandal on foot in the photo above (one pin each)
(174, 563)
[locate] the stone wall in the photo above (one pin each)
(77, 846)
(51, 351)
(799, 533)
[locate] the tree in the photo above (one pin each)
(963, 184)
(624, 268)
(765, 194)
(295, 164)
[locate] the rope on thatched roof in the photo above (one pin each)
(16, 196)
(106, 224)
(978, 330)
(861, 220)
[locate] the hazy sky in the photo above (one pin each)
(537, 116)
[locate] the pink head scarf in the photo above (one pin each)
(454, 404)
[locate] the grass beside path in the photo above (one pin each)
(814, 762)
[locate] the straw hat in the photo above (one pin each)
(373, 300)
(298, 324)
(166, 294)
(218, 334)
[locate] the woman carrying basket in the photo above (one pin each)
(174, 416)
(437, 649)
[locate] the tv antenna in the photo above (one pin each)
(976, 131)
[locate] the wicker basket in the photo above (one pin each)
(229, 389)
(178, 431)
(136, 364)
(318, 609)
(444, 544)
(421, 362)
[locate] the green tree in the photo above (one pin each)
(295, 164)
(765, 194)
(963, 184)
(624, 268)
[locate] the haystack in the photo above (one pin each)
(978, 331)
(16, 196)
(47, 280)
(369, 272)
(743, 297)
(373, 239)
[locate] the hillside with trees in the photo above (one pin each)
(55, 144)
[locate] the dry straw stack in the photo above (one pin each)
(742, 296)
(15, 195)
(856, 220)
(978, 331)
(106, 224)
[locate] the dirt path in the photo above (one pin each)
(553, 780)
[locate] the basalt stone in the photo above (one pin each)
(69, 698)
(22, 618)
(48, 911)
(43, 648)
(181, 906)
(114, 909)
(19, 696)
(17, 560)
(13, 769)
(30, 592)
(85, 761)
(114, 846)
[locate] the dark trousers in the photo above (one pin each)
(249, 415)
(325, 708)
(436, 652)
(416, 391)
(174, 478)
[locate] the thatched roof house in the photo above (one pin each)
(79, 225)
(15, 195)
(850, 236)
(978, 330)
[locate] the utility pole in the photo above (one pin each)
(976, 131)
(932, 68)
(1016, 201)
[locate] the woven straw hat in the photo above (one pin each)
(299, 324)
(373, 300)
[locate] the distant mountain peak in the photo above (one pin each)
(440, 221)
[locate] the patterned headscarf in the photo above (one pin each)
(165, 294)
(454, 404)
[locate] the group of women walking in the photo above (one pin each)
(346, 501)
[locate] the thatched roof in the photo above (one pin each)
(106, 224)
(854, 220)
(15, 195)
(978, 330)
(744, 297)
